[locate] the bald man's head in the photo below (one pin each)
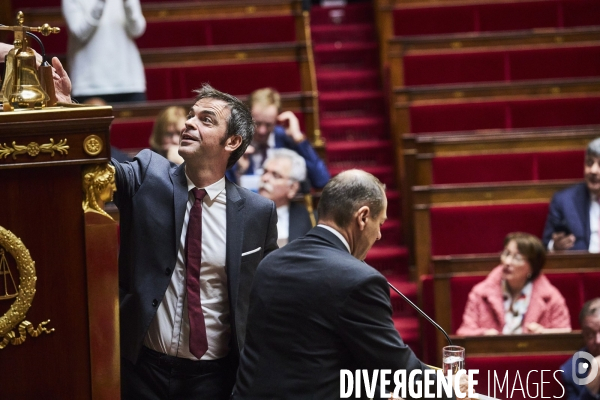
(345, 193)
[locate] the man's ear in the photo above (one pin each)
(233, 142)
(293, 190)
(362, 215)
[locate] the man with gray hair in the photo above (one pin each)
(573, 221)
(577, 370)
(283, 172)
(317, 308)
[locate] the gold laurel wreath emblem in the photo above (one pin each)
(33, 149)
(18, 310)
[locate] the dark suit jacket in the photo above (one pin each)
(574, 391)
(152, 196)
(299, 221)
(570, 207)
(316, 170)
(315, 309)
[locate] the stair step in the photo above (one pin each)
(349, 14)
(339, 80)
(352, 103)
(388, 259)
(343, 33)
(359, 128)
(346, 55)
(391, 231)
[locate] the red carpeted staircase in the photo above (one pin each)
(354, 124)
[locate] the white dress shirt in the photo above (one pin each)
(339, 235)
(169, 331)
(283, 225)
(594, 225)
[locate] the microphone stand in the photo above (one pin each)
(422, 313)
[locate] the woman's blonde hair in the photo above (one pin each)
(168, 116)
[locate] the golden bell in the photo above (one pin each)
(22, 88)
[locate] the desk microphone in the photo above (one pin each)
(421, 312)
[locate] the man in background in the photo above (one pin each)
(573, 221)
(275, 130)
(283, 171)
(589, 319)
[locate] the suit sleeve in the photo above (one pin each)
(129, 176)
(316, 170)
(367, 329)
(555, 216)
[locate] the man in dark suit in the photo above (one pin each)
(317, 308)
(283, 172)
(276, 130)
(578, 367)
(573, 221)
(190, 245)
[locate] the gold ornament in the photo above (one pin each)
(93, 145)
(24, 295)
(98, 186)
(33, 149)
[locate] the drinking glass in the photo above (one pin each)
(453, 358)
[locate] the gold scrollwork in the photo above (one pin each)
(93, 145)
(33, 149)
(98, 186)
(27, 279)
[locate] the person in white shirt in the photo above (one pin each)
(103, 59)
(283, 171)
(573, 221)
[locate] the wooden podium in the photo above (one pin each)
(71, 277)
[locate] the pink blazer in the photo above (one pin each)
(485, 308)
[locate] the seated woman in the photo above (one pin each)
(516, 297)
(166, 131)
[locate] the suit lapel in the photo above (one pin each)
(180, 198)
(235, 238)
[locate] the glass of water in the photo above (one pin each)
(453, 358)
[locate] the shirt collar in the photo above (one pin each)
(339, 236)
(211, 190)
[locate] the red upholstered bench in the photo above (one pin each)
(218, 32)
(481, 229)
(504, 114)
(490, 17)
(454, 67)
(530, 383)
(175, 82)
(508, 167)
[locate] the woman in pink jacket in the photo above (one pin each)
(516, 297)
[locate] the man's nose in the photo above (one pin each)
(596, 167)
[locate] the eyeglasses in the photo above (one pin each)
(517, 259)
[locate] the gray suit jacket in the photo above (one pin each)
(152, 196)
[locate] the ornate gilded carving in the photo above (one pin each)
(33, 149)
(93, 145)
(98, 186)
(26, 290)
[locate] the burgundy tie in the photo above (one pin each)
(198, 342)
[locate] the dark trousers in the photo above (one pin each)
(157, 376)
(115, 98)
